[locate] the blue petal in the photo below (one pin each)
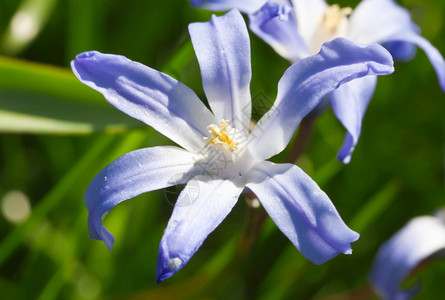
(349, 103)
(374, 21)
(401, 51)
(223, 50)
(396, 258)
(132, 174)
(201, 207)
(431, 52)
(277, 26)
(246, 6)
(305, 83)
(147, 95)
(384, 21)
(302, 211)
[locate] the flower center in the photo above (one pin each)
(333, 24)
(333, 16)
(220, 136)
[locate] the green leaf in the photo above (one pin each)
(375, 206)
(36, 98)
(53, 197)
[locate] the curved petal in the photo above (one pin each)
(374, 20)
(431, 52)
(305, 83)
(222, 47)
(246, 6)
(349, 103)
(396, 258)
(201, 207)
(309, 13)
(384, 21)
(302, 211)
(277, 26)
(145, 94)
(401, 51)
(132, 174)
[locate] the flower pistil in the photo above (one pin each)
(220, 136)
(333, 16)
(333, 24)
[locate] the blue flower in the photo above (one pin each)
(298, 28)
(218, 156)
(421, 238)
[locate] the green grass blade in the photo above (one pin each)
(48, 202)
(375, 206)
(36, 98)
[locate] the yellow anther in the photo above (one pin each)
(219, 136)
(333, 16)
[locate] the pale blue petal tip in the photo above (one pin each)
(197, 2)
(86, 55)
(108, 239)
(104, 236)
(166, 266)
(345, 153)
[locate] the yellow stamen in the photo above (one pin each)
(219, 136)
(333, 16)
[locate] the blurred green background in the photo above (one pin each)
(57, 134)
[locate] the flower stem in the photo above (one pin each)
(255, 220)
(257, 215)
(302, 138)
